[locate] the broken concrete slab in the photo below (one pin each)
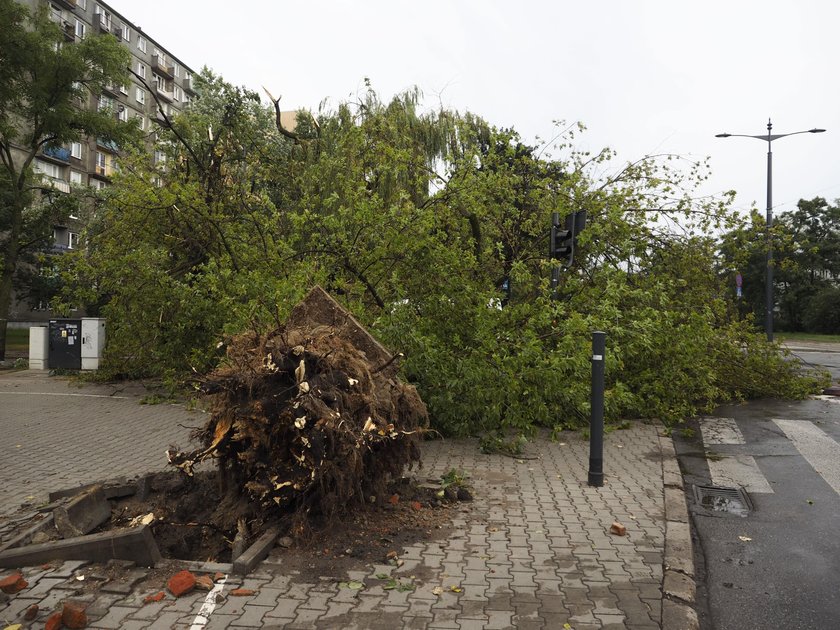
(256, 552)
(136, 544)
(83, 514)
(113, 490)
(26, 537)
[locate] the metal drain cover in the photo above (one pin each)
(722, 499)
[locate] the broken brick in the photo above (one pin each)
(154, 598)
(618, 529)
(204, 583)
(181, 583)
(13, 583)
(243, 592)
(74, 616)
(53, 622)
(31, 612)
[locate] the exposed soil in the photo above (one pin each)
(182, 508)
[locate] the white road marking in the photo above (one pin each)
(816, 446)
(720, 431)
(739, 470)
(203, 616)
(61, 394)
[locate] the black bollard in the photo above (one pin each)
(596, 418)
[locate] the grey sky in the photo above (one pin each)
(644, 77)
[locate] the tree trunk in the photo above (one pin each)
(10, 261)
(5, 303)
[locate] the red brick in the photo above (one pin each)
(31, 612)
(13, 583)
(242, 592)
(181, 583)
(618, 529)
(74, 616)
(54, 622)
(154, 598)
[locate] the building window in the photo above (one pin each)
(141, 122)
(82, 4)
(80, 29)
(47, 168)
(124, 89)
(105, 103)
(122, 113)
(141, 70)
(178, 95)
(76, 178)
(141, 43)
(140, 95)
(126, 33)
(100, 185)
(76, 150)
(176, 69)
(73, 241)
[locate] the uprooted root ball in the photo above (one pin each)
(303, 426)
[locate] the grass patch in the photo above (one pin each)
(17, 339)
(789, 336)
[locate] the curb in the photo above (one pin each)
(679, 586)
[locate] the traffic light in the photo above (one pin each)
(562, 239)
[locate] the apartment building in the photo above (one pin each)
(91, 162)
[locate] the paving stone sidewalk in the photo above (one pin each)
(532, 551)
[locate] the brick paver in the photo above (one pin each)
(533, 550)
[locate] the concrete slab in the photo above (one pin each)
(136, 544)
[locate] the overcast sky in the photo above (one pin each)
(644, 77)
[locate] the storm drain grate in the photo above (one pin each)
(722, 499)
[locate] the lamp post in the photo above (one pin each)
(769, 137)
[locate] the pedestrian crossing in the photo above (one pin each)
(730, 468)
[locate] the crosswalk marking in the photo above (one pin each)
(720, 431)
(739, 470)
(821, 451)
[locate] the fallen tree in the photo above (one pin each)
(306, 420)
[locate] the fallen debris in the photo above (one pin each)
(618, 529)
(181, 583)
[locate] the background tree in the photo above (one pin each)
(43, 84)
(807, 259)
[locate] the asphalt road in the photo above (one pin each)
(777, 566)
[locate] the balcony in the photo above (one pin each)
(113, 90)
(108, 145)
(104, 170)
(102, 23)
(189, 86)
(67, 4)
(69, 30)
(163, 93)
(59, 184)
(57, 154)
(159, 66)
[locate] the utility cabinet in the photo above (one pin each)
(65, 344)
(38, 347)
(76, 344)
(93, 342)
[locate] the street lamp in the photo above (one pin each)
(769, 137)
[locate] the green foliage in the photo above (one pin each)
(822, 313)
(414, 220)
(43, 81)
